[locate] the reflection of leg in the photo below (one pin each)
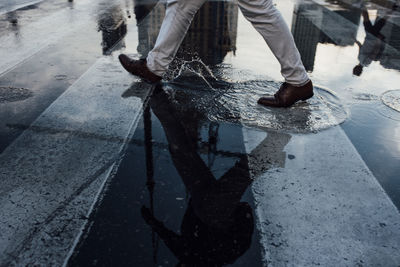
(367, 23)
(177, 20)
(368, 26)
(379, 23)
(213, 201)
(235, 181)
(269, 153)
(194, 172)
(267, 20)
(222, 199)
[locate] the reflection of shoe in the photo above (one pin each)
(287, 95)
(138, 68)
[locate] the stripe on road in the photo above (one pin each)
(321, 205)
(9, 7)
(17, 47)
(49, 180)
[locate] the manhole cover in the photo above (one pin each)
(392, 99)
(13, 94)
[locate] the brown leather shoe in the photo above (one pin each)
(287, 95)
(138, 68)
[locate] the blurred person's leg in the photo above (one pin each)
(179, 15)
(268, 21)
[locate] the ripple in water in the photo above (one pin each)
(365, 97)
(236, 102)
(392, 99)
(322, 111)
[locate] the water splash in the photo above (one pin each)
(181, 68)
(236, 102)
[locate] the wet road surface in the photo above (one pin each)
(99, 168)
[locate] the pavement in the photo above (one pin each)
(75, 134)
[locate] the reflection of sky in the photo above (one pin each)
(397, 137)
(391, 134)
(333, 68)
(252, 53)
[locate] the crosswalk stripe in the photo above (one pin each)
(16, 48)
(9, 8)
(50, 179)
(323, 206)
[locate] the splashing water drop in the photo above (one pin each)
(237, 103)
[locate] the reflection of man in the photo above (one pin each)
(265, 18)
(373, 46)
(217, 227)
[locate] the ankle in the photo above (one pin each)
(300, 84)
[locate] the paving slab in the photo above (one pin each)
(51, 175)
(9, 6)
(18, 46)
(318, 204)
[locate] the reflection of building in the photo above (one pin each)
(313, 24)
(305, 32)
(211, 35)
(391, 54)
(213, 32)
(149, 24)
(113, 28)
(332, 16)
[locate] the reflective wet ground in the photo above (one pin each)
(99, 168)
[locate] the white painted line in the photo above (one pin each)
(52, 174)
(14, 6)
(17, 47)
(323, 206)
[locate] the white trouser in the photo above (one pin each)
(265, 18)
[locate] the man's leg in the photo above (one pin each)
(268, 21)
(176, 23)
(179, 15)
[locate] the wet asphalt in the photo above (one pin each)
(152, 211)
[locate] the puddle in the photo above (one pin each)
(236, 102)
(13, 94)
(392, 99)
(190, 202)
